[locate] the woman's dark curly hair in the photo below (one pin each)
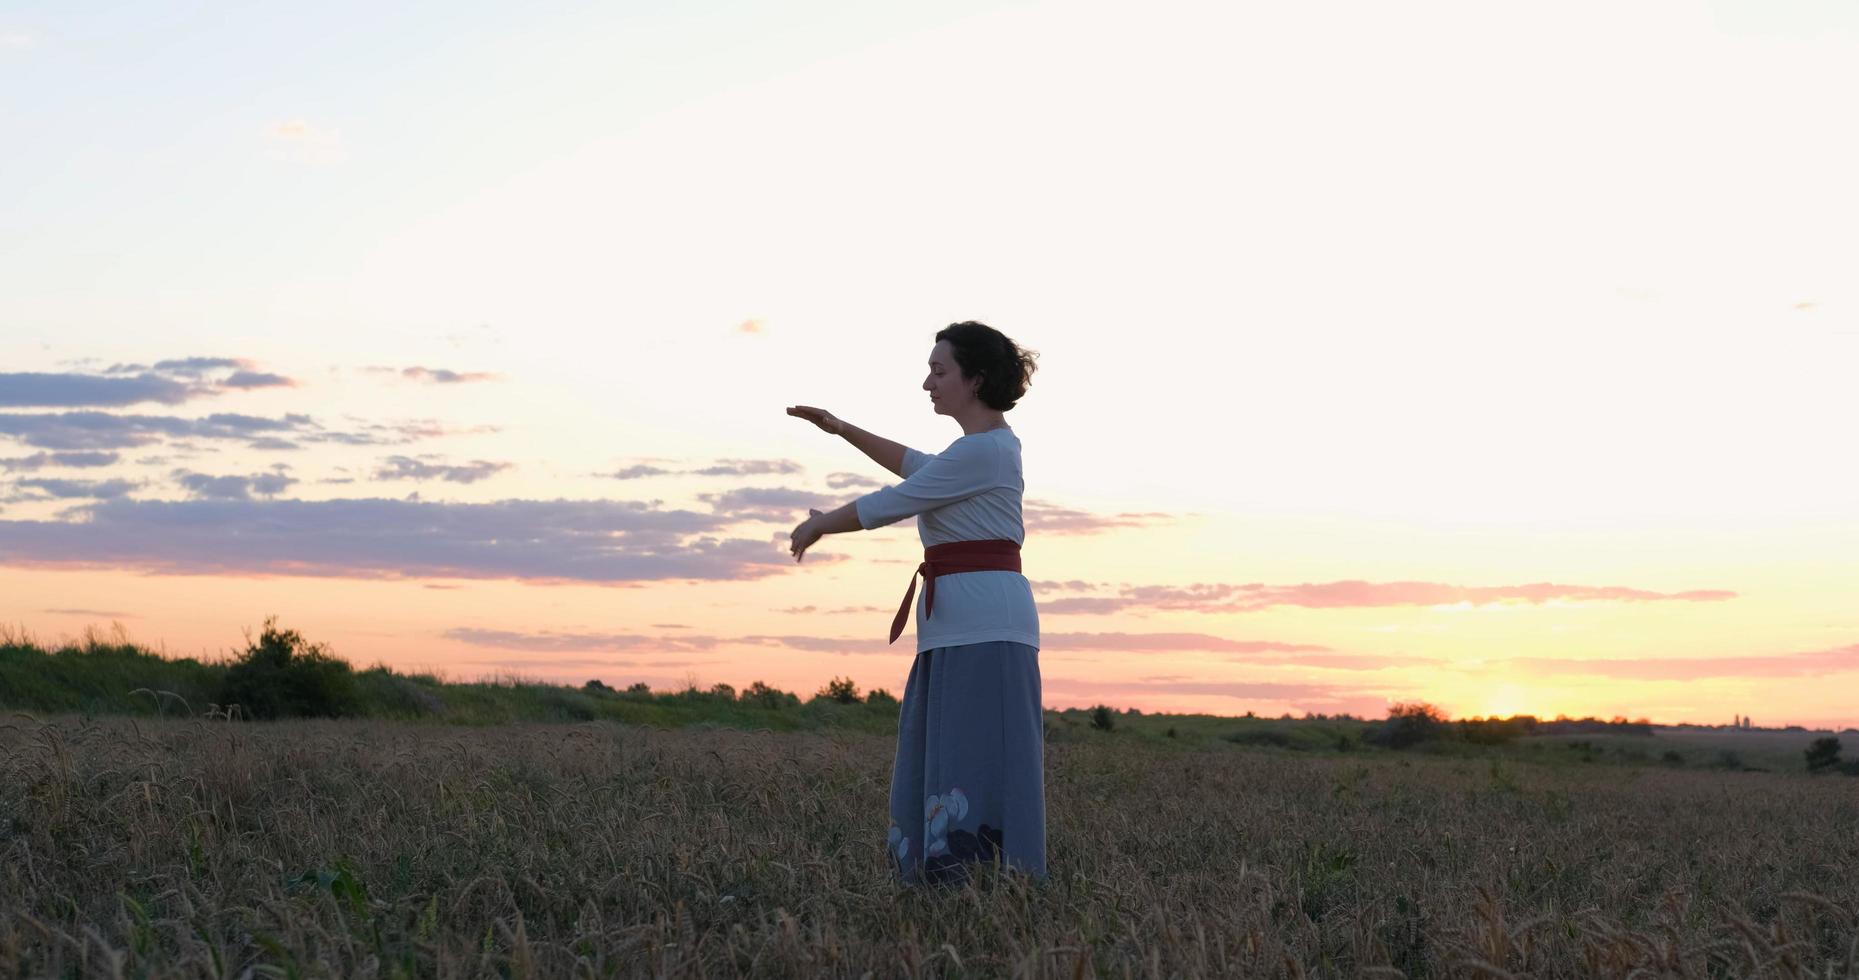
(1004, 368)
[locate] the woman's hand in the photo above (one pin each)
(827, 421)
(805, 534)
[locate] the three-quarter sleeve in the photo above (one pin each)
(913, 461)
(966, 468)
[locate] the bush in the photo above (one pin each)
(640, 689)
(763, 696)
(879, 695)
(284, 676)
(840, 689)
(1409, 724)
(1103, 718)
(380, 692)
(1824, 754)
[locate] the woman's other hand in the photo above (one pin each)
(827, 421)
(805, 534)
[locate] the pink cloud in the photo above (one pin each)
(1355, 593)
(1041, 517)
(1801, 664)
(1167, 642)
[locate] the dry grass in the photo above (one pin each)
(194, 848)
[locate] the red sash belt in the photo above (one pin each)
(954, 558)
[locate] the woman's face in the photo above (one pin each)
(949, 392)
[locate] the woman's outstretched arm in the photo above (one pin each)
(836, 521)
(882, 451)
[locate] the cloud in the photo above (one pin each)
(532, 541)
(1072, 585)
(527, 665)
(1045, 518)
(302, 141)
(74, 460)
(547, 641)
(778, 504)
(404, 431)
(748, 467)
(257, 379)
(551, 641)
(438, 376)
(33, 390)
(1811, 663)
(723, 467)
(1257, 652)
(408, 468)
(103, 430)
(1252, 597)
(70, 489)
(16, 40)
(97, 613)
(635, 472)
(1249, 690)
(481, 333)
(1086, 606)
(194, 368)
(840, 481)
(206, 487)
(1169, 642)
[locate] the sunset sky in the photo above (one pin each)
(1501, 356)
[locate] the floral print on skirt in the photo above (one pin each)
(968, 783)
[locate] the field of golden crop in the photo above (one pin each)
(329, 848)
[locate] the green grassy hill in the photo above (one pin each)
(283, 675)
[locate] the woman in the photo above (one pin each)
(968, 783)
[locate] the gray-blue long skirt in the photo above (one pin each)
(968, 784)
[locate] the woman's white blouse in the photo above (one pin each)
(968, 492)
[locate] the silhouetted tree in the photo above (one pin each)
(283, 675)
(1409, 724)
(840, 689)
(1823, 754)
(763, 696)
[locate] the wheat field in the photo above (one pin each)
(200, 848)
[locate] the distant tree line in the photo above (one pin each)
(282, 674)
(840, 690)
(1413, 723)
